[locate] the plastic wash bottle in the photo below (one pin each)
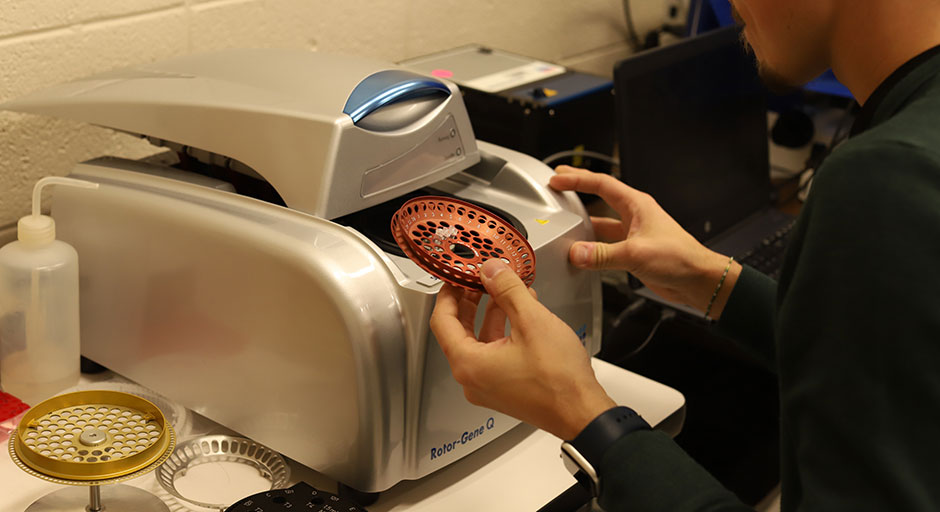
(39, 326)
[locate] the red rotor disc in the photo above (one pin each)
(451, 239)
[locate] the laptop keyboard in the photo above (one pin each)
(768, 255)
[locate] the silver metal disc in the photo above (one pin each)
(114, 498)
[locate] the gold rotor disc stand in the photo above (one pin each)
(93, 438)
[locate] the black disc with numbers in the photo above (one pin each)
(300, 497)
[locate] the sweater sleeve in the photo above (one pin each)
(748, 317)
(646, 471)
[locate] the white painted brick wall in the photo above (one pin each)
(43, 42)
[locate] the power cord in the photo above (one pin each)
(652, 38)
(550, 159)
(665, 314)
(843, 128)
(820, 151)
(696, 17)
(841, 134)
(631, 27)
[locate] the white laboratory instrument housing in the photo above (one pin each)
(253, 276)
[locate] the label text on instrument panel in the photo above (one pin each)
(466, 437)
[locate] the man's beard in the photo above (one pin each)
(772, 80)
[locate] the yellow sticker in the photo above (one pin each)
(541, 221)
(577, 160)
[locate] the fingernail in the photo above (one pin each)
(581, 255)
(492, 267)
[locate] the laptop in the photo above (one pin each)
(692, 132)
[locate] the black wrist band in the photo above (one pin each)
(604, 430)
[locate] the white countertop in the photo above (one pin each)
(520, 470)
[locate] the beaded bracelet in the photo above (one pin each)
(721, 281)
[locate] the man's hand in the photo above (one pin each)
(646, 242)
(540, 373)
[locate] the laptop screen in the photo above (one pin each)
(692, 128)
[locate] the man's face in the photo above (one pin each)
(790, 38)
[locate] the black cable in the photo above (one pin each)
(696, 17)
(632, 309)
(573, 498)
(631, 28)
(819, 153)
(795, 178)
(551, 159)
(664, 315)
(842, 132)
(843, 129)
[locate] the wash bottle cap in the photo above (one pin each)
(37, 230)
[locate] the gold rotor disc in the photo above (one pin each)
(92, 435)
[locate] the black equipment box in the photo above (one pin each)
(534, 107)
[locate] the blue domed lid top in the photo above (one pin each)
(388, 87)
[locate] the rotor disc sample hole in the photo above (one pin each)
(462, 250)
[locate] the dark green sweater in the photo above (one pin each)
(853, 329)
